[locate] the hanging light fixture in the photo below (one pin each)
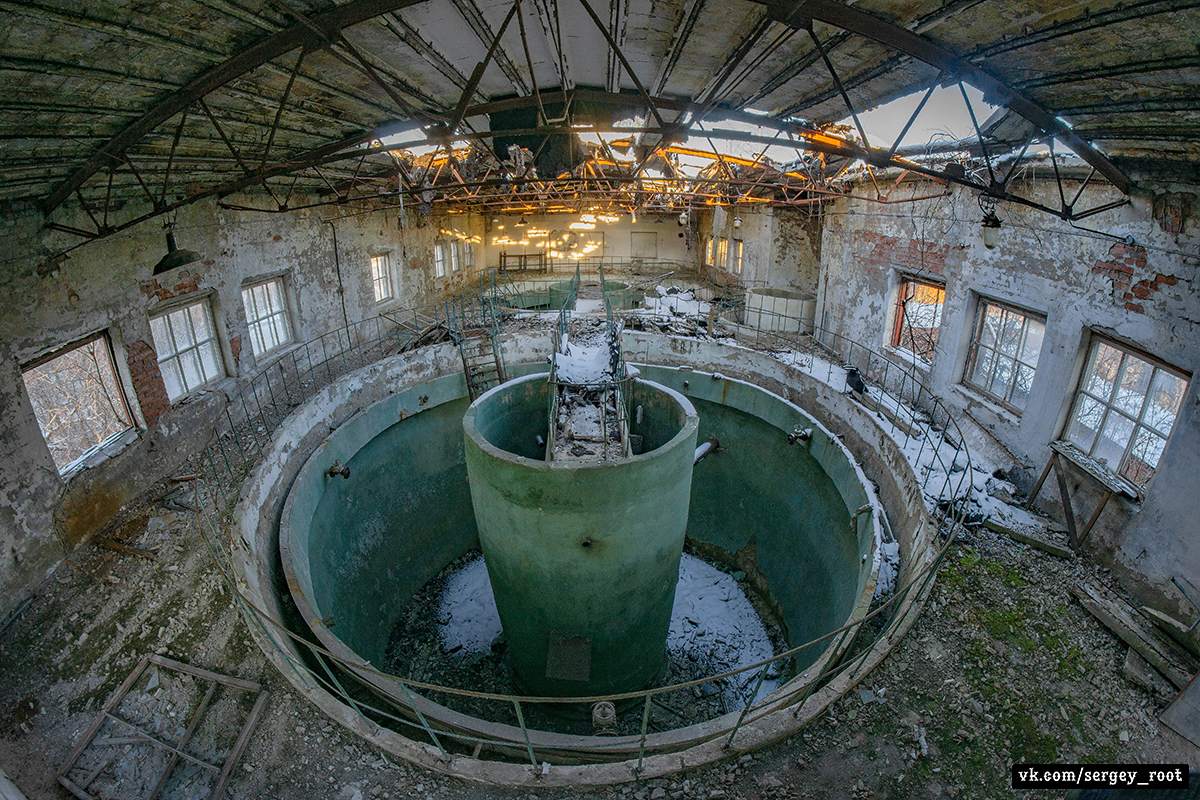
(521, 223)
(174, 257)
(737, 221)
(683, 218)
(990, 223)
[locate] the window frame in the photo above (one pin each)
(131, 421)
(215, 339)
(382, 278)
(894, 341)
(439, 259)
(735, 256)
(284, 312)
(1109, 405)
(976, 344)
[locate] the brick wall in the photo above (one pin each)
(880, 253)
(1124, 263)
(181, 284)
(147, 382)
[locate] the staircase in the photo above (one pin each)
(474, 323)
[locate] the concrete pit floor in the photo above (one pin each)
(1004, 665)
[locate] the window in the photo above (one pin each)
(77, 400)
(188, 353)
(439, 260)
(918, 316)
(723, 253)
(381, 276)
(267, 316)
(736, 257)
(455, 256)
(1004, 353)
(468, 255)
(1125, 408)
(708, 252)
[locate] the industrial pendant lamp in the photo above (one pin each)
(990, 223)
(737, 221)
(174, 257)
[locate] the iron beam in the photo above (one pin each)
(856, 21)
(274, 46)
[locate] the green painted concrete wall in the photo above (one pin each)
(583, 559)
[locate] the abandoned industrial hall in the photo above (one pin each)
(635, 399)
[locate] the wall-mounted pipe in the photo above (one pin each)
(337, 265)
(799, 434)
(706, 448)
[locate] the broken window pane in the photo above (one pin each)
(918, 317)
(78, 401)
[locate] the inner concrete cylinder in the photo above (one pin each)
(583, 557)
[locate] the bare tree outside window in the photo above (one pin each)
(1125, 409)
(918, 317)
(78, 401)
(1004, 353)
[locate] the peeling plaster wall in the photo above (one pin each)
(795, 249)
(107, 286)
(1084, 283)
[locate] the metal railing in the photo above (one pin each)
(240, 442)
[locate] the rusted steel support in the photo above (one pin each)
(864, 24)
(298, 35)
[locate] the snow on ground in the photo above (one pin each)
(713, 624)
(676, 304)
(466, 612)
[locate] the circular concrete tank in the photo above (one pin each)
(583, 557)
(780, 311)
(354, 550)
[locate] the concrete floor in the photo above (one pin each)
(1003, 666)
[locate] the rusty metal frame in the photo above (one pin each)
(223, 771)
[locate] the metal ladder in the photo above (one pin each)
(474, 323)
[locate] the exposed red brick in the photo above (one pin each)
(235, 347)
(147, 381)
(1135, 307)
(1169, 280)
(1141, 291)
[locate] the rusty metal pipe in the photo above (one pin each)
(706, 448)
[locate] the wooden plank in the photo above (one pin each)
(73, 789)
(1183, 715)
(1139, 672)
(124, 548)
(225, 680)
(242, 741)
(84, 740)
(187, 737)
(1037, 487)
(1028, 538)
(1181, 633)
(1095, 516)
(1129, 632)
(1066, 500)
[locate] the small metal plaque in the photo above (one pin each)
(569, 658)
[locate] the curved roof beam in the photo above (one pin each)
(851, 19)
(292, 37)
